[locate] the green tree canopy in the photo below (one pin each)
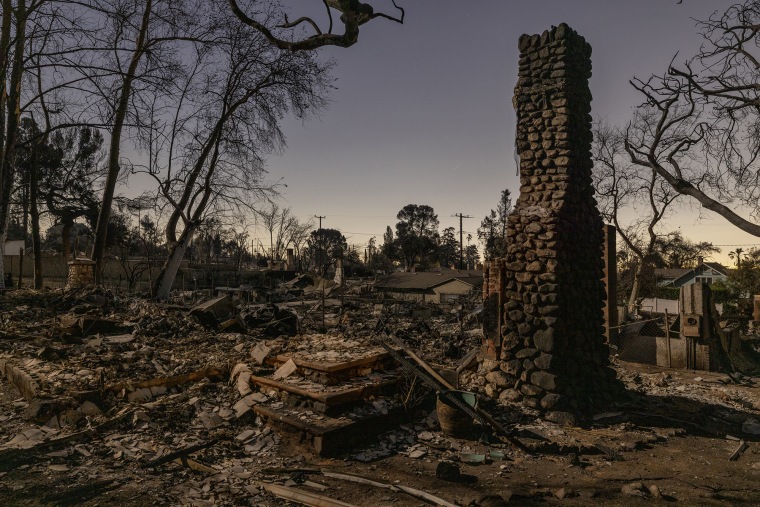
(493, 228)
(448, 248)
(416, 234)
(324, 246)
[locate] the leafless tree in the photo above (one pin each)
(284, 33)
(12, 45)
(623, 190)
(219, 123)
(702, 133)
(284, 228)
(296, 236)
(270, 218)
(140, 45)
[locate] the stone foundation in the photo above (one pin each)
(546, 348)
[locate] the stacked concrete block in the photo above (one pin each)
(552, 355)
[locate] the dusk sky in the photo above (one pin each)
(422, 111)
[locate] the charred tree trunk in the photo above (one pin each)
(66, 239)
(104, 216)
(35, 219)
(9, 111)
(635, 287)
(163, 284)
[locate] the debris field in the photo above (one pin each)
(326, 399)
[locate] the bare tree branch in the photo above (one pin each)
(353, 14)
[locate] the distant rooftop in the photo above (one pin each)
(427, 280)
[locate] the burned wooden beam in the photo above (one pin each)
(181, 453)
(210, 372)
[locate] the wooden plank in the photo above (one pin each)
(739, 450)
(304, 497)
(331, 367)
(169, 382)
(416, 493)
(421, 363)
(181, 453)
(330, 399)
(325, 425)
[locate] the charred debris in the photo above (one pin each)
(231, 399)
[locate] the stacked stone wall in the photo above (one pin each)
(552, 354)
(81, 273)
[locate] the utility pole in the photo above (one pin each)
(461, 247)
(321, 245)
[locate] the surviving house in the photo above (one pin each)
(708, 272)
(442, 286)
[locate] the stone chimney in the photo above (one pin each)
(545, 348)
(291, 260)
(81, 273)
(339, 278)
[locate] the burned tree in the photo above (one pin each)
(353, 14)
(140, 42)
(219, 123)
(701, 119)
(622, 186)
(12, 58)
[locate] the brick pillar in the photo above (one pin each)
(493, 291)
(553, 357)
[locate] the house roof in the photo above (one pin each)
(675, 273)
(691, 273)
(670, 273)
(427, 280)
(720, 268)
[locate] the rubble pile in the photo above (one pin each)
(108, 399)
(108, 382)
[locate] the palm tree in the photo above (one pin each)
(738, 255)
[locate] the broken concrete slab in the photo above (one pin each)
(260, 352)
(285, 370)
(246, 403)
